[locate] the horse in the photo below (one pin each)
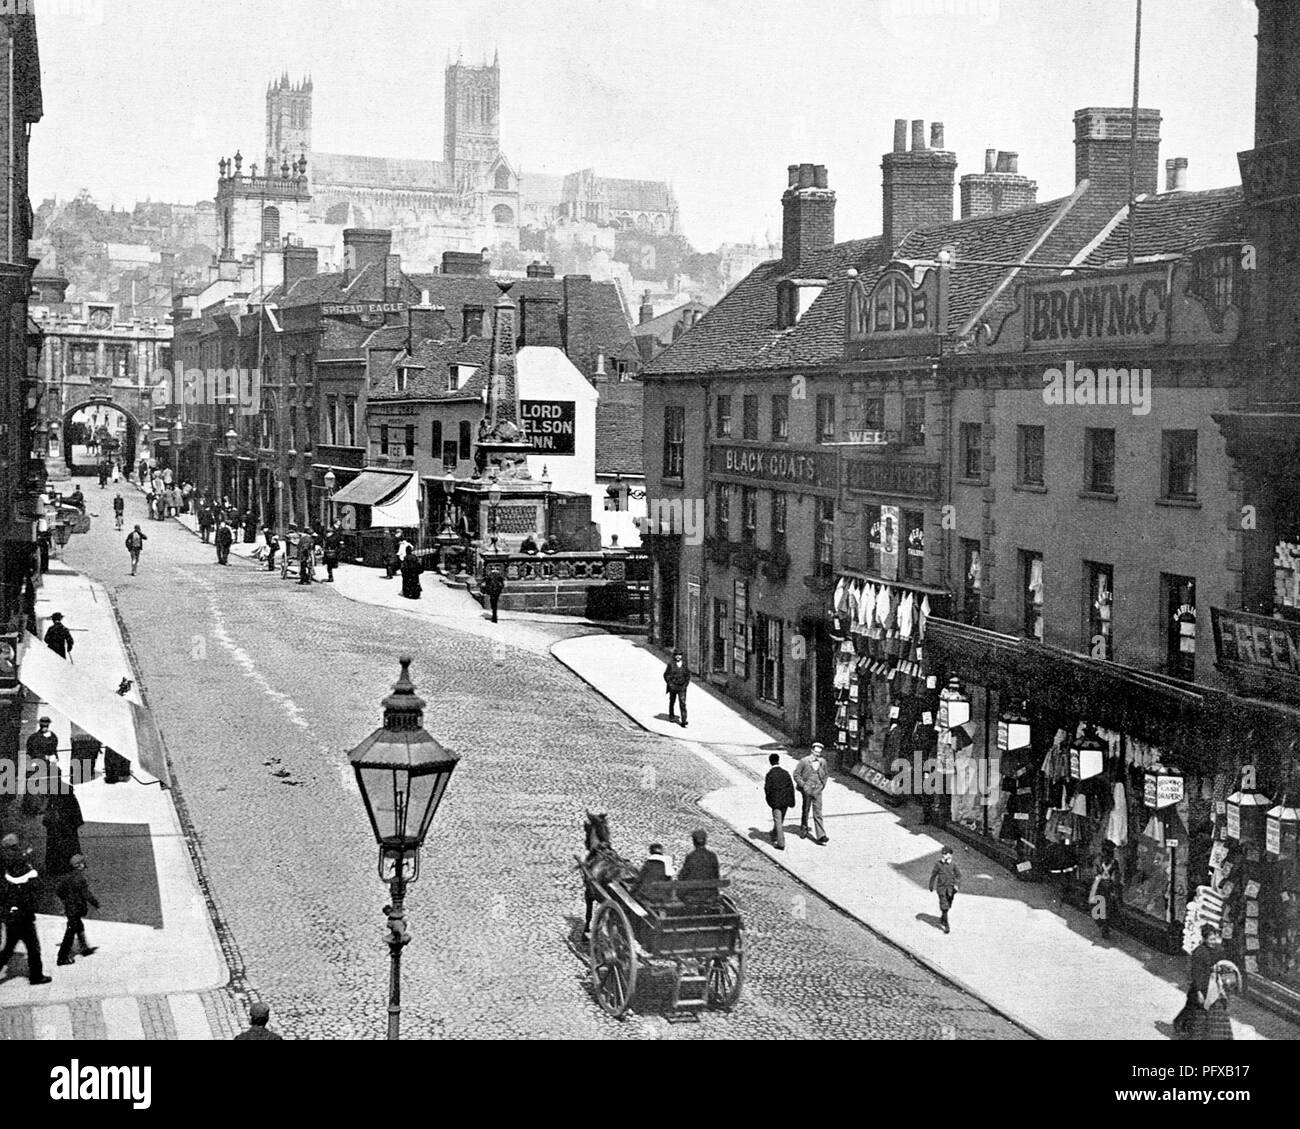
(603, 862)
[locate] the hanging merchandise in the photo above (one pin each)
(924, 617)
(838, 600)
(1117, 824)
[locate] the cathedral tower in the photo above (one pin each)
(288, 121)
(472, 113)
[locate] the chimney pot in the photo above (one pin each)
(900, 135)
(820, 179)
(918, 134)
(805, 175)
(990, 159)
(794, 175)
(936, 135)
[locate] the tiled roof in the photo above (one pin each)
(389, 172)
(1003, 237)
(740, 333)
(1174, 223)
(428, 370)
(619, 426)
(388, 337)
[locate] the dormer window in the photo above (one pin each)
(403, 379)
(793, 297)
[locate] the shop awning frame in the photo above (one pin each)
(372, 488)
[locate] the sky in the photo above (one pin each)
(143, 97)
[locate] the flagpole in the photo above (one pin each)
(1133, 134)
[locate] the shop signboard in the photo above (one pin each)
(1161, 790)
(1270, 173)
(1234, 821)
(1128, 308)
(892, 478)
(1257, 641)
(890, 516)
(1273, 837)
(360, 309)
(806, 471)
(740, 619)
(549, 425)
(903, 312)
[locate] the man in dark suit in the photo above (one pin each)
(19, 889)
(225, 538)
(259, 1014)
(677, 676)
(701, 865)
(58, 638)
(778, 790)
(656, 870)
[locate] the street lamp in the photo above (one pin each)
(330, 480)
(402, 773)
(494, 504)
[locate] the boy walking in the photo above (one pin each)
(74, 892)
(945, 878)
(134, 543)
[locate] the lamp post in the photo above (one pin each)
(331, 479)
(494, 504)
(402, 773)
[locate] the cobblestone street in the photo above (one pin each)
(260, 686)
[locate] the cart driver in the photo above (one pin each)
(658, 867)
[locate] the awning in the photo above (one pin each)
(122, 726)
(372, 487)
(394, 497)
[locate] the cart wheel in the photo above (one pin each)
(613, 959)
(726, 975)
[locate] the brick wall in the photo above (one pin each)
(984, 194)
(1102, 137)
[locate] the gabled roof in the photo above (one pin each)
(429, 365)
(1175, 223)
(740, 332)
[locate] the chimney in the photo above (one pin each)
(1102, 142)
(647, 311)
(365, 247)
(392, 278)
(540, 270)
(426, 322)
(539, 320)
(1176, 174)
(900, 136)
(999, 188)
(579, 340)
(918, 184)
(299, 263)
(809, 220)
(465, 263)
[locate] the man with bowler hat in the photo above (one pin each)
(259, 1014)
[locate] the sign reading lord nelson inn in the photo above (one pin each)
(807, 472)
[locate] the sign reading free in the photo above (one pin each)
(550, 425)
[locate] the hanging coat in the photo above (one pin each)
(1117, 825)
(905, 616)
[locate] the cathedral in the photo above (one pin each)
(473, 198)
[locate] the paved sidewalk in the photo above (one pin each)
(143, 982)
(1011, 945)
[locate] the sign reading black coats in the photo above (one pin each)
(550, 425)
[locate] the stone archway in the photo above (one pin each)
(100, 418)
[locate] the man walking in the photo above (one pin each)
(74, 893)
(677, 677)
(811, 777)
(944, 879)
(333, 548)
(19, 904)
(259, 1014)
(134, 544)
(493, 585)
(778, 789)
(225, 538)
(306, 557)
(205, 520)
(58, 638)
(119, 510)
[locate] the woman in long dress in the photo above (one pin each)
(411, 576)
(1214, 1024)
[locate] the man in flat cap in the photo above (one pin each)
(18, 890)
(258, 1016)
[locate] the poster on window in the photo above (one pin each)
(740, 621)
(890, 516)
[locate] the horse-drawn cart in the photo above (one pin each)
(692, 926)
